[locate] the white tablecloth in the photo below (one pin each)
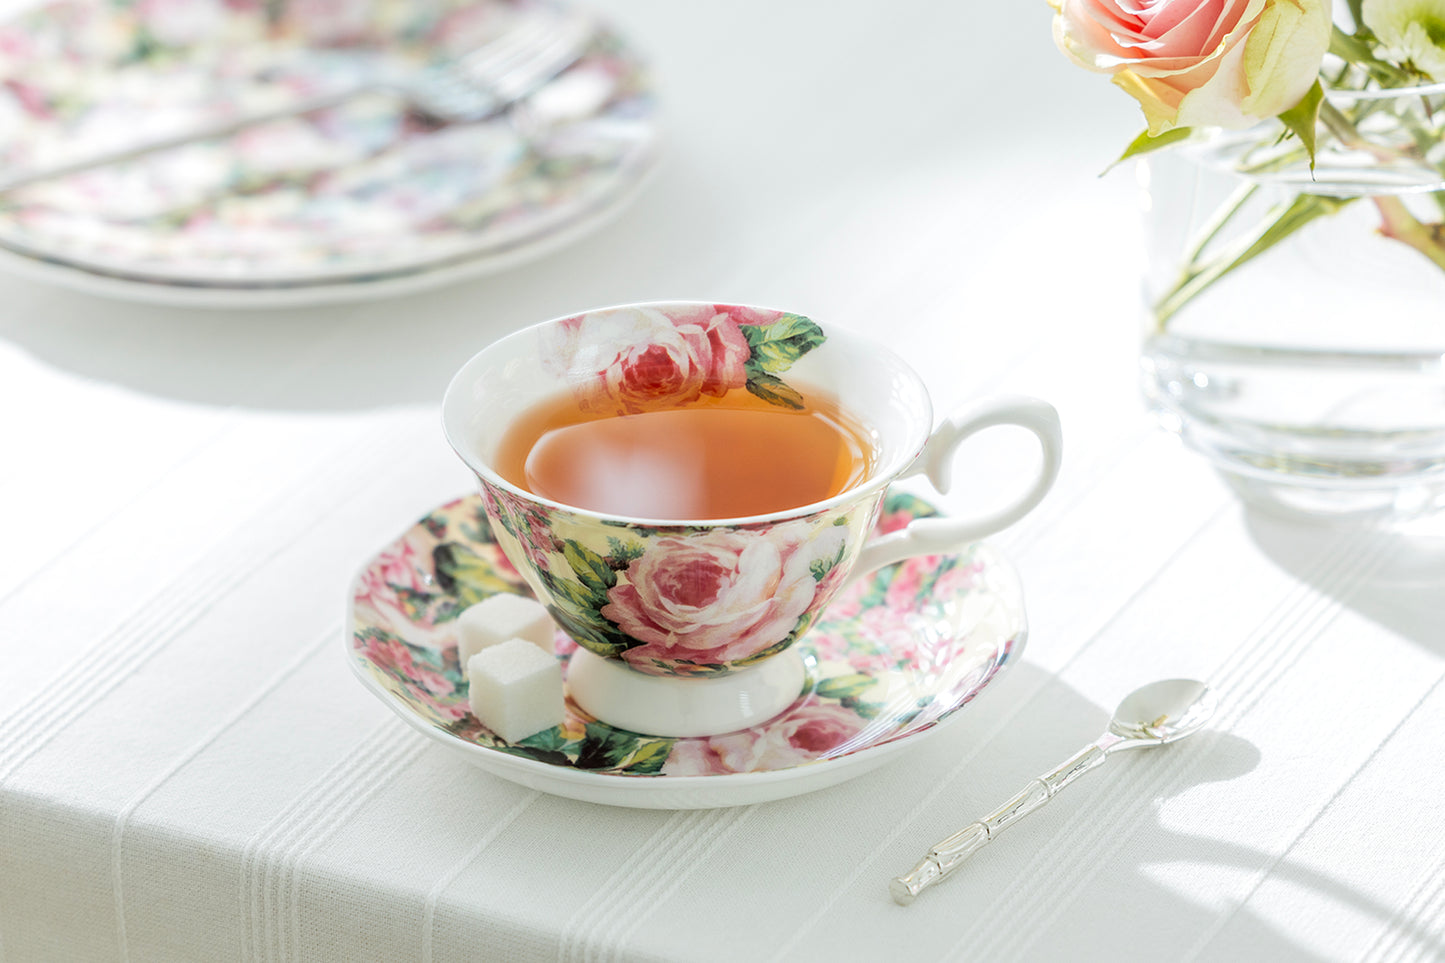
(188, 771)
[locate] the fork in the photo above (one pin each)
(469, 88)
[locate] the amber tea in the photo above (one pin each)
(718, 458)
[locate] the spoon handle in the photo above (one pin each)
(945, 857)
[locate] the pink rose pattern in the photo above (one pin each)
(715, 598)
(868, 643)
(395, 658)
(646, 359)
(808, 731)
(397, 588)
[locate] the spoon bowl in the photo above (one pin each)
(1161, 712)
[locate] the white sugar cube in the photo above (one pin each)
(516, 689)
(498, 618)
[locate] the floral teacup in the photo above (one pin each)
(680, 623)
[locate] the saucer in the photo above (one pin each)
(352, 202)
(891, 659)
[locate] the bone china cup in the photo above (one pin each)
(685, 627)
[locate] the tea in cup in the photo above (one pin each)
(685, 486)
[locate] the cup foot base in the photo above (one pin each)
(679, 707)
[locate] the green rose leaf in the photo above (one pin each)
(775, 347)
(822, 566)
(773, 391)
(467, 575)
(548, 739)
(802, 626)
(550, 756)
(647, 531)
(649, 757)
(620, 554)
(413, 602)
(604, 747)
(575, 610)
(1147, 142)
(866, 710)
(588, 632)
(573, 594)
(592, 569)
(845, 686)
(1303, 116)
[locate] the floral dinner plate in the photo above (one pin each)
(343, 203)
(891, 659)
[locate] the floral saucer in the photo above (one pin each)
(891, 659)
(344, 203)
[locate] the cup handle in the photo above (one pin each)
(936, 536)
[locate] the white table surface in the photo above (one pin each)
(188, 771)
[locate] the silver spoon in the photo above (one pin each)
(1158, 713)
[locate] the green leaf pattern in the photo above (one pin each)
(774, 349)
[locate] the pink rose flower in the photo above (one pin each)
(643, 359)
(903, 590)
(466, 28)
(1200, 63)
(896, 640)
(179, 23)
(329, 21)
(892, 521)
(713, 598)
(16, 46)
(847, 604)
(404, 568)
(957, 579)
(802, 734)
(396, 658)
(408, 565)
(378, 599)
(386, 612)
(762, 317)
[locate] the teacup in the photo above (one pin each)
(686, 627)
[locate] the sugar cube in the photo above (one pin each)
(516, 689)
(497, 618)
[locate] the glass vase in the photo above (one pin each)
(1295, 322)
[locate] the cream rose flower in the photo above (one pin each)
(1413, 31)
(1200, 63)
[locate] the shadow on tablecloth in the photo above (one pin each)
(1393, 577)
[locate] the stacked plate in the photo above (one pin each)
(355, 201)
